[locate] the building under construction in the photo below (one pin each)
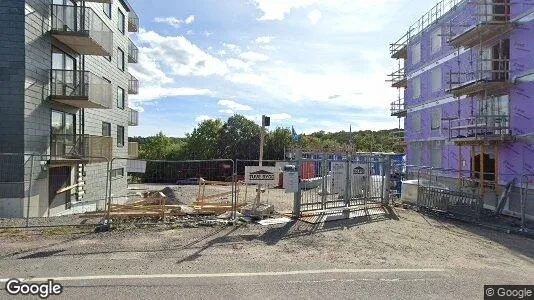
(465, 78)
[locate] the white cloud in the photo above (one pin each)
(314, 16)
(280, 117)
(246, 78)
(190, 19)
(175, 22)
(237, 64)
(233, 106)
(147, 70)
(154, 92)
(182, 57)
(277, 9)
(264, 40)
(232, 47)
(190, 32)
(253, 56)
(208, 33)
(203, 118)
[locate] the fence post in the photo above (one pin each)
(234, 193)
(29, 192)
(324, 174)
(298, 194)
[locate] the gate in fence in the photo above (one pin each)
(448, 191)
(335, 182)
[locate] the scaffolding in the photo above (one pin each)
(483, 78)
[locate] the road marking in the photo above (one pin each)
(220, 275)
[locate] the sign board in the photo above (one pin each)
(339, 174)
(291, 182)
(136, 166)
(262, 175)
(359, 179)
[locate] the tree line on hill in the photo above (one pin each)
(238, 138)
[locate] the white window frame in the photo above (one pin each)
(435, 41)
(435, 119)
(416, 87)
(436, 79)
(416, 53)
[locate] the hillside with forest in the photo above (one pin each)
(238, 138)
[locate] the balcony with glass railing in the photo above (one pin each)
(133, 149)
(480, 128)
(133, 117)
(133, 21)
(80, 89)
(398, 109)
(133, 85)
(133, 53)
(82, 30)
(489, 19)
(68, 149)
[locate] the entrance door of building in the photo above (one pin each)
(59, 179)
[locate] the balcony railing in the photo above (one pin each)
(399, 49)
(133, 21)
(81, 147)
(398, 109)
(134, 118)
(480, 128)
(133, 53)
(82, 30)
(133, 150)
(489, 18)
(80, 89)
(133, 85)
(490, 76)
(398, 78)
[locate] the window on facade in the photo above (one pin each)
(120, 136)
(436, 120)
(121, 22)
(117, 172)
(416, 122)
(436, 152)
(435, 79)
(416, 53)
(106, 129)
(120, 59)
(416, 87)
(435, 41)
(120, 98)
(415, 158)
(107, 9)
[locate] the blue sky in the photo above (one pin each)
(312, 64)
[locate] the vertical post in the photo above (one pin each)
(324, 175)
(29, 193)
(298, 194)
(482, 149)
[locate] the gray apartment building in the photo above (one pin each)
(64, 86)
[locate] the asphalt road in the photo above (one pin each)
(304, 284)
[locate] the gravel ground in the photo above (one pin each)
(406, 239)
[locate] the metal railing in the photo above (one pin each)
(133, 52)
(480, 127)
(397, 78)
(133, 21)
(484, 12)
(76, 146)
(73, 84)
(133, 117)
(398, 107)
(82, 20)
(481, 69)
(436, 12)
(133, 149)
(133, 85)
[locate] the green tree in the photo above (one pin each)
(156, 147)
(239, 139)
(275, 143)
(202, 143)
